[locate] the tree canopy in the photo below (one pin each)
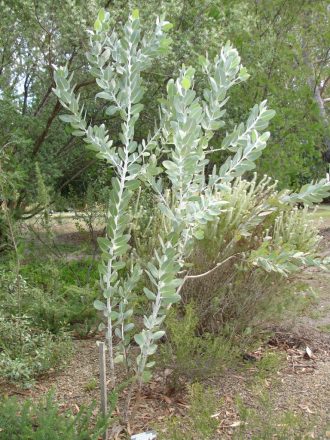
(284, 45)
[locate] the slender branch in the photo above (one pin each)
(189, 277)
(44, 133)
(80, 171)
(43, 100)
(221, 263)
(51, 118)
(26, 86)
(324, 85)
(67, 146)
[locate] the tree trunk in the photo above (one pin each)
(316, 90)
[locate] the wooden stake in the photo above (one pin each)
(103, 384)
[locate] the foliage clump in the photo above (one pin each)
(191, 354)
(259, 244)
(27, 352)
(205, 410)
(33, 329)
(197, 201)
(199, 423)
(50, 297)
(43, 420)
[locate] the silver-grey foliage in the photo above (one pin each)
(185, 129)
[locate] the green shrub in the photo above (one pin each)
(198, 423)
(49, 295)
(256, 237)
(50, 274)
(190, 355)
(26, 351)
(42, 421)
(259, 244)
(70, 309)
(269, 364)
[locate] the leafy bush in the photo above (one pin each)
(251, 253)
(42, 421)
(52, 274)
(269, 364)
(50, 296)
(191, 355)
(26, 351)
(70, 309)
(253, 243)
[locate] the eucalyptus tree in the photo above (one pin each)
(315, 46)
(35, 36)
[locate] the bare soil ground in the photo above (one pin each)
(301, 384)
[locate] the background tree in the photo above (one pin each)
(284, 45)
(35, 36)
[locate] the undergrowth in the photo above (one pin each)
(42, 421)
(193, 356)
(256, 420)
(27, 352)
(41, 308)
(261, 421)
(198, 423)
(50, 296)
